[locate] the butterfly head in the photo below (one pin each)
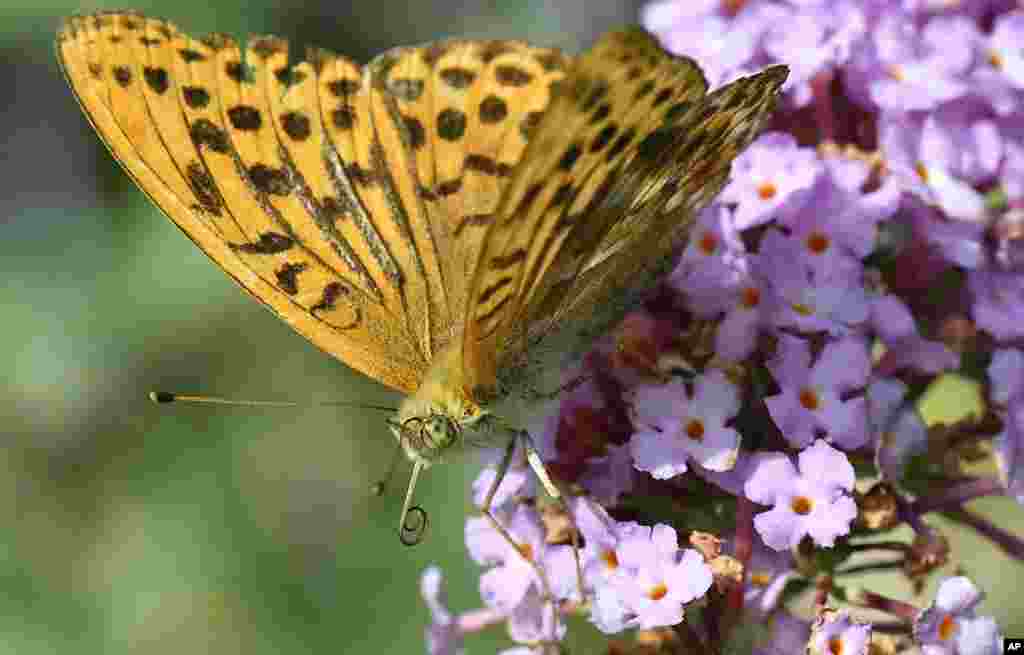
(433, 421)
(425, 438)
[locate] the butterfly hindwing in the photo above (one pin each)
(624, 157)
(193, 122)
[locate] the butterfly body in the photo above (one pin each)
(458, 220)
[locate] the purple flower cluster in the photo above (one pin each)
(747, 427)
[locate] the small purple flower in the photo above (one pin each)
(724, 46)
(815, 501)
(814, 40)
(905, 348)
(998, 303)
(939, 156)
(512, 484)
(798, 299)
(898, 429)
(443, 635)
(765, 577)
(601, 535)
(711, 263)
(655, 580)
(673, 428)
(810, 403)
(504, 586)
(835, 633)
(949, 625)
(913, 69)
(1000, 74)
(832, 222)
(535, 620)
(765, 175)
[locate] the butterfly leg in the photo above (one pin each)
(503, 466)
(541, 471)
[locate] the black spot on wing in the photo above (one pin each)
(203, 187)
(604, 137)
(245, 117)
(239, 72)
(415, 133)
(332, 292)
(122, 75)
(205, 134)
(272, 181)
(156, 78)
(296, 125)
(493, 110)
(269, 243)
(287, 277)
(196, 97)
(343, 118)
(457, 78)
(570, 156)
(451, 124)
(188, 55)
(342, 88)
(512, 76)
(486, 165)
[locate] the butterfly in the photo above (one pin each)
(448, 219)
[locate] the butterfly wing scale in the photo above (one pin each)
(622, 160)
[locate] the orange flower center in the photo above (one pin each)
(708, 243)
(922, 171)
(658, 591)
(695, 430)
(947, 628)
(817, 242)
(995, 59)
(611, 560)
(802, 505)
(835, 646)
(767, 190)
(751, 297)
(895, 72)
(526, 550)
(760, 578)
(809, 399)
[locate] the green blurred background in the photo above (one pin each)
(134, 528)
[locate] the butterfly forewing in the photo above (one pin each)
(216, 166)
(625, 155)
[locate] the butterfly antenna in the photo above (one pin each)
(411, 534)
(166, 397)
